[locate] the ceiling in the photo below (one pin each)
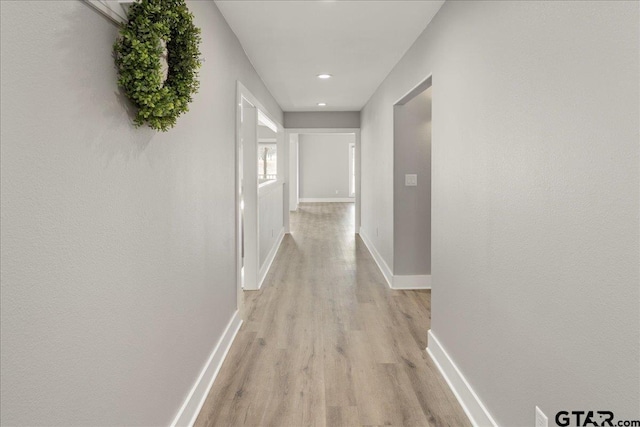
(290, 42)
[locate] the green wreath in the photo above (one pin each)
(138, 54)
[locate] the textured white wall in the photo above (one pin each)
(117, 244)
(535, 246)
(324, 165)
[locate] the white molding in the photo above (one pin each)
(192, 405)
(267, 263)
(328, 200)
(116, 11)
(384, 268)
(399, 282)
(419, 87)
(352, 168)
(251, 242)
(468, 399)
(253, 100)
(267, 121)
(412, 282)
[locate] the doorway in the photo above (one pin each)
(324, 166)
(259, 191)
(412, 188)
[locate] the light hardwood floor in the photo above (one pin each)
(327, 343)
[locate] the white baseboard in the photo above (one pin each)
(412, 282)
(272, 255)
(192, 405)
(395, 282)
(329, 200)
(384, 268)
(468, 399)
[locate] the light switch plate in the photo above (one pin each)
(411, 180)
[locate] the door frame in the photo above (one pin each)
(244, 95)
(354, 131)
(352, 168)
(422, 281)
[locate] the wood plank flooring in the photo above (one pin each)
(325, 342)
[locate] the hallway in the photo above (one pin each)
(156, 156)
(326, 342)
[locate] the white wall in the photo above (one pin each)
(117, 260)
(324, 165)
(322, 119)
(272, 207)
(293, 176)
(535, 251)
(412, 205)
(271, 219)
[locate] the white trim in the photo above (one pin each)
(267, 263)
(412, 282)
(293, 174)
(252, 214)
(328, 200)
(419, 87)
(384, 268)
(399, 282)
(246, 94)
(352, 169)
(262, 117)
(468, 399)
(192, 405)
(116, 11)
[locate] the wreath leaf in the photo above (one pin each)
(137, 55)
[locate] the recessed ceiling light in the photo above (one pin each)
(324, 76)
(322, 104)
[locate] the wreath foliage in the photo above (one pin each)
(138, 53)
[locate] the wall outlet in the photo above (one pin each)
(541, 418)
